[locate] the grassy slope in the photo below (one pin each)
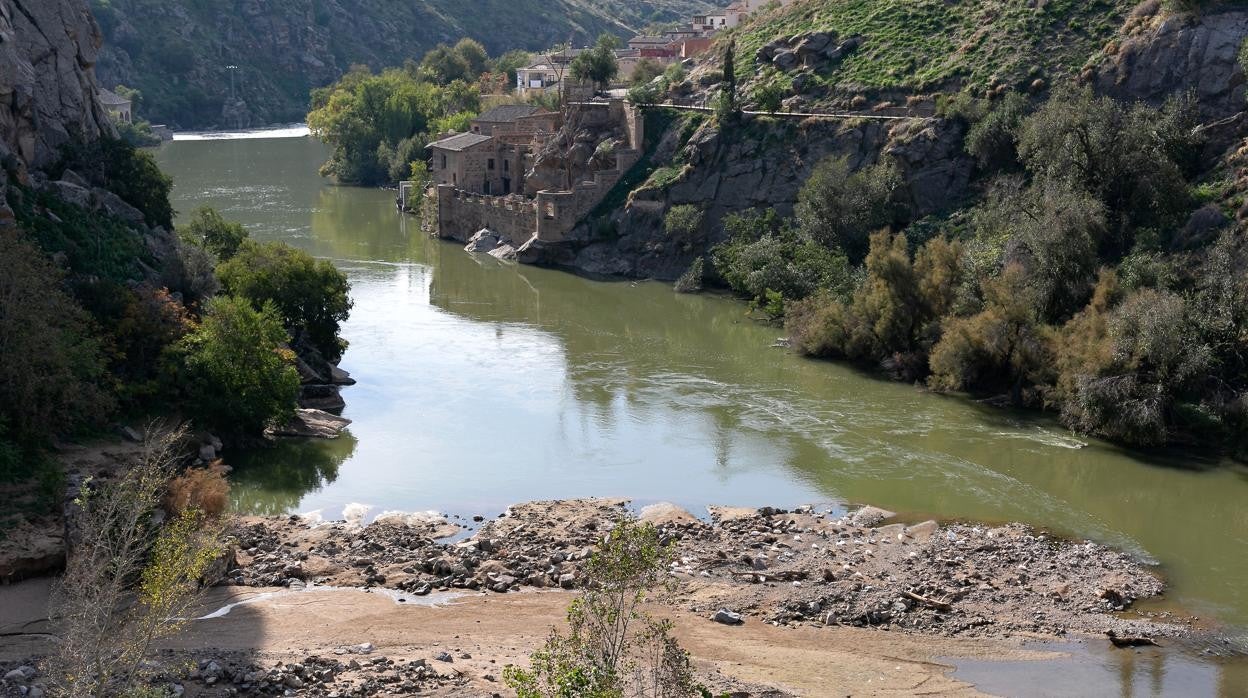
(923, 45)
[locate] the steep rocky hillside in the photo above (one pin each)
(175, 51)
(47, 87)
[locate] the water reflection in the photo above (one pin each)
(1091, 668)
(274, 480)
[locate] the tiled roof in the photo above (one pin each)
(460, 141)
(507, 113)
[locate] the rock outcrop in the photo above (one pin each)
(1167, 54)
(761, 167)
(48, 50)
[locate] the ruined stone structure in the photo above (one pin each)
(550, 214)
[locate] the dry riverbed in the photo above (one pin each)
(769, 602)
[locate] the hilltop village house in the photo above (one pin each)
(545, 75)
(479, 179)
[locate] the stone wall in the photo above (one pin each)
(461, 214)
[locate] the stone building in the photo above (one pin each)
(477, 163)
(118, 107)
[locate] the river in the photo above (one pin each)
(483, 384)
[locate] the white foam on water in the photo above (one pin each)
(411, 518)
(293, 131)
(355, 512)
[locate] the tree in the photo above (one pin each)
(1131, 158)
(993, 140)
(240, 377)
(597, 65)
(128, 581)
(646, 70)
(726, 109)
(211, 231)
(612, 647)
(840, 208)
(1053, 231)
(1002, 348)
(311, 296)
(474, 56)
(52, 371)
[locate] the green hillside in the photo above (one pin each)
(922, 45)
(175, 51)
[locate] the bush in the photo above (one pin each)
(211, 231)
(129, 581)
(841, 209)
(199, 489)
(240, 377)
(691, 280)
(311, 296)
(993, 138)
(783, 262)
(612, 647)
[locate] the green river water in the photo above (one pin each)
(483, 384)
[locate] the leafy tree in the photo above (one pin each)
(444, 65)
(52, 371)
(763, 255)
(240, 377)
(474, 56)
(598, 65)
(646, 70)
(211, 231)
(1131, 158)
(993, 140)
(311, 296)
(377, 124)
(840, 208)
(1053, 230)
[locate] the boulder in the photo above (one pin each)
(484, 241)
(785, 60)
(112, 204)
(727, 617)
(339, 376)
(504, 252)
(312, 423)
(69, 192)
(870, 516)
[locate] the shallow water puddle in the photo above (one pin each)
(439, 598)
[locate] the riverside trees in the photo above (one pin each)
(1075, 282)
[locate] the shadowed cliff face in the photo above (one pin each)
(48, 50)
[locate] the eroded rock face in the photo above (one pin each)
(48, 50)
(764, 169)
(1181, 53)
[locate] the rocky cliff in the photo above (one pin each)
(48, 50)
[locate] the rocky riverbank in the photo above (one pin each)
(743, 575)
(801, 567)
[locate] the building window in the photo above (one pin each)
(506, 166)
(489, 165)
(487, 187)
(444, 161)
